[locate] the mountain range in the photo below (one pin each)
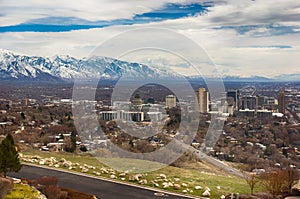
(21, 67)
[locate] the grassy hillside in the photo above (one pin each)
(200, 174)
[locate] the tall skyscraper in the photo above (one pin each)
(249, 102)
(170, 101)
(203, 97)
(261, 102)
(233, 98)
(281, 102)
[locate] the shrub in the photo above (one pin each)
(47, 181)
(76, 194)
(63, 195)
(52, 192)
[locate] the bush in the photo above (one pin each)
(48, 185)
(63, 195)
(52, 192)
(47, 181)
(73, 194)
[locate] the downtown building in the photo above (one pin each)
(203, 99)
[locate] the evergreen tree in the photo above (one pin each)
(9, 157)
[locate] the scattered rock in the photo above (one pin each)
(206, 193)
(143, 182)
(162, 176)
(84, 170)
(198, 187)
(184, 184)
(113, 176)
(177, 186)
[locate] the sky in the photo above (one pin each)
(240, 37)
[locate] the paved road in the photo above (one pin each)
(101, 189)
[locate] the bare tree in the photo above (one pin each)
(252, 179)
(274, 182)
(291, 176)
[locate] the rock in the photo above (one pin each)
(218, 187)
(222, 197)
(113, 176)
(184, 185)
(198, 187)
(184, 191)
(103, 170)
(123, 179)
(162, 176)
(67, 164)
(17, 181)
(122, 174)
(84, 170)
(207, 188)
(137, 177)
(206, 193)
(143, 182)
(155, 184)
(177, 186)
(171, 184)
(165, 185)
(41, 162)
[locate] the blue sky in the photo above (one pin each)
(241, 37)
(169, 11)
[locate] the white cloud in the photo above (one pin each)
(233, 53)
(15, 12)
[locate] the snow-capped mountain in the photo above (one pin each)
(14, 66)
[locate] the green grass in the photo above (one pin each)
(22, 191)
(211, 178)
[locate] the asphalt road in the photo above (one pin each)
(101, 189)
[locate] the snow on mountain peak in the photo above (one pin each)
(66, 67)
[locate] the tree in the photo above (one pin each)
(9, 157)
(274, 182)
(251, 179)
(292, 176)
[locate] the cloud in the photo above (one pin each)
(90, 10)
(241, 37)
(63, 24)
(244, 13)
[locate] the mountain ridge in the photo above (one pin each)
(65, 67)
(14, 66)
